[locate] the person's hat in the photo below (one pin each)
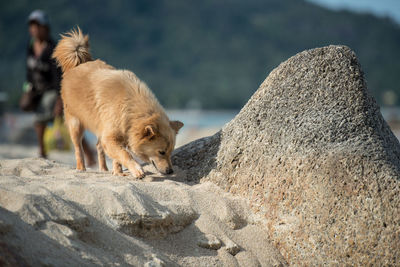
(40, 17)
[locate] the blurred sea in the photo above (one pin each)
(380, 8)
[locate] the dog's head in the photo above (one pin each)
(156, 142)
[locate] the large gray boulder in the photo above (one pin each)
(312, 152)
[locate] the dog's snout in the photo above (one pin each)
(169, 171)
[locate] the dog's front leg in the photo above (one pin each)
(118, 153)
(101, 156)
(117, 169)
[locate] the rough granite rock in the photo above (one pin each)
(312, 152)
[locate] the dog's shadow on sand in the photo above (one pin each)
(177, 176)
(152, 175)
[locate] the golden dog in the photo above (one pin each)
(116, 106)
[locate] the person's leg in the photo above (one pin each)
(43, 115)
(40, 128)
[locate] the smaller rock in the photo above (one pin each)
(232, 247)
(58, 230)
(155, 262)
(209, 241)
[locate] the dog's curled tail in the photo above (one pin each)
(72, 50)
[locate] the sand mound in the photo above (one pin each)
(52, 215)
(312, 152)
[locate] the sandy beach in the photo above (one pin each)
(94, 218)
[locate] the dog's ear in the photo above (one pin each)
(149, 131)
(176, 125)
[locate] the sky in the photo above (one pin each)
(381, 8)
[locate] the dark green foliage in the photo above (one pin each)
(212, 52)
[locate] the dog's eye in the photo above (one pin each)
(161, 152)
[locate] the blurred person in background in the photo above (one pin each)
(43, 76)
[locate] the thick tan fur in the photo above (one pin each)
(116, 106)
(72, 50)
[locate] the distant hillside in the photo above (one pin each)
(209, 53)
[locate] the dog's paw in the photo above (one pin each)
(120, 174)
(80, 166)
(138, 173)
(103, 169)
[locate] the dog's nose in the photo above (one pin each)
(169, 171)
